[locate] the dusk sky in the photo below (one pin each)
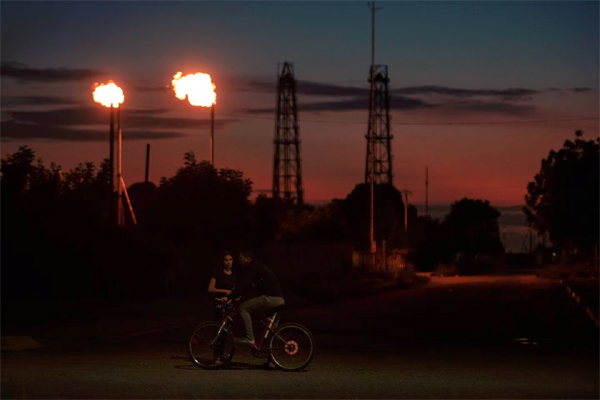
(481, 91)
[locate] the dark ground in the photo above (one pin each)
(495, 336)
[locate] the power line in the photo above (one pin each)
(426, 123)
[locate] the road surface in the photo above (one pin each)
(515, 336)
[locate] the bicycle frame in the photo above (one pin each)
(259, 351)
(228, 317)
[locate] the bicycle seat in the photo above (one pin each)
(277, 309)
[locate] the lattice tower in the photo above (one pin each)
(379, 123)
(287, 171)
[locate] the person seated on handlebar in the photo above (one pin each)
(221, 284)
(255, 275)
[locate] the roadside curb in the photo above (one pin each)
(27, 342)
(576, 297)
(18, 343)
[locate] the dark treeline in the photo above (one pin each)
(58, 240)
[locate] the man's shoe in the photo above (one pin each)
(245, 342)
(267, 365)
(217, 362)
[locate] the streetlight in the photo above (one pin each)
(200, 91)
(111, 96)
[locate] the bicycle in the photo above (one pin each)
(290, 347)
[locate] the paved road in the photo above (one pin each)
(454, 338)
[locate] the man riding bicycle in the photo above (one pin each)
(289, 347)
(255, 275)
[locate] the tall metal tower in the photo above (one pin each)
(287, 171)
(379, 129)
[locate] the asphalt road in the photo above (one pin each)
(481, 337)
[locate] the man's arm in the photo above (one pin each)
(244, 284)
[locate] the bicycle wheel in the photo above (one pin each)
(205, 346)
(292, 347)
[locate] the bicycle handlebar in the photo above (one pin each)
(227, 300)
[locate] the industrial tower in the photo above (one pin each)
(379, 127)
(287, 171)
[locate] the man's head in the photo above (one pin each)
(245, 255)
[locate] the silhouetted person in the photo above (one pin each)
(221, 284)
(223, 278)
(255, 275)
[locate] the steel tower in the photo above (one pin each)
(287, 171)
(379, 126)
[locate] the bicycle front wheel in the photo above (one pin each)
(292, 347)
(205, 346)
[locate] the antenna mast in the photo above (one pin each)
(378, 168)
(371, 146)
(426, 191)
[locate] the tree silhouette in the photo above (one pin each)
(389, 214)
(268, 214)
(50, 224)
(563, 199)
(16, 169)
(142, 195)
(471, 229)
(428, 245)
(199, 201)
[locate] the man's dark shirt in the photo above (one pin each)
(261, 278)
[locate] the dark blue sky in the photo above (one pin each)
(465, 44)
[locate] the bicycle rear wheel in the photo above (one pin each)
(292, 347)
(205, 346)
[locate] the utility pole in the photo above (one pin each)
(530, 241)
(120, 214)
(406, 193)
(111, 167)
(212, 135)
(147, 162)
(426, 191)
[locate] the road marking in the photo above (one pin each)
(576, 297)
(589, 312)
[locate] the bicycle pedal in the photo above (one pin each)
(245, 342)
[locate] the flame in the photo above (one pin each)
(198, 88)
(108, 94)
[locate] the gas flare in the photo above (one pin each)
(198, 88)
(108, 94)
